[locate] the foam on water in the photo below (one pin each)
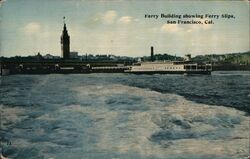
(118, 121)
(176, 127)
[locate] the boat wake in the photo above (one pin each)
(118, 121)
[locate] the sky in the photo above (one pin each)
(119, 27)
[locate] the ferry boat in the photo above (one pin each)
(170, 67)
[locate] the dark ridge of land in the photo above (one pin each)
(225, 59)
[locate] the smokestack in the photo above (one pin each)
(152, 53)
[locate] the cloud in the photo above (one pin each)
(32, 28)
(109, 17)
(125, 20)
(93, 21)
(198, 27)
(170, 28)
(1, 2)
(186, 28)
(189, 30)
(206, 26)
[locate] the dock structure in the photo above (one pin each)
(60, 66)
(4, 71)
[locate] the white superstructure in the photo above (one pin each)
(170, 67)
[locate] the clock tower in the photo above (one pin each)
(65, 42)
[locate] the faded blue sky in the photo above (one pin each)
(120, 27)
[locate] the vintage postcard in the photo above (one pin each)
(124, 79)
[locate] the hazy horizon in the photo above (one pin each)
(120, 27)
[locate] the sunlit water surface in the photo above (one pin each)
(92, 116)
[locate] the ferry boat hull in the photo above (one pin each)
(171, 72)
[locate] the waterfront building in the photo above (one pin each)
(73, 55)
(49, 56)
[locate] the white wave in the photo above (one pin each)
(11, 115)
(177, 128)
(2, 157)
(128, 120)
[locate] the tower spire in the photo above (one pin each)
(64, 24)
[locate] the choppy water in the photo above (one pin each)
(92, 116)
